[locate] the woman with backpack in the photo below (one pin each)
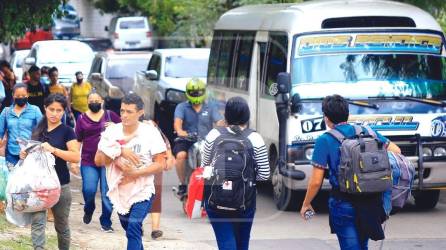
(89, 127)
(230, 198)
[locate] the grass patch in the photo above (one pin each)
(23, 242)
(3, 223)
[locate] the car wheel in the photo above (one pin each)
(427, 199)
(285, 199)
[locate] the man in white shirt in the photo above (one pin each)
(134, 152)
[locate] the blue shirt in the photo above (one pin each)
(18, 126)
(326, 154)
(201, 122)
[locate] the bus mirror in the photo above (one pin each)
(283, 83)
(296, 104)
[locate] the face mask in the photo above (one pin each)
(95, 107)
(79, 80)
(21, 101)
(45, 80)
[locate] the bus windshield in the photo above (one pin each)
(367, 70)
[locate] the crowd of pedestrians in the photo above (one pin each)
(126, 155)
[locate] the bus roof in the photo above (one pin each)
(309, 16)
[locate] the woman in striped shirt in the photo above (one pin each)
(232, 229)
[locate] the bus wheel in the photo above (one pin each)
(285, 199)
(426, 199)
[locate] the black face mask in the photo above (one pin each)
(95, 107)
(21, 101)
(79, 80)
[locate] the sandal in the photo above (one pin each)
(156, 234)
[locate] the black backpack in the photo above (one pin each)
(232, 185)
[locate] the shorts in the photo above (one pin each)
(182, 145)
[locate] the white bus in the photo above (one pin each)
(386, 58)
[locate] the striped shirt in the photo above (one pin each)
(260, 153)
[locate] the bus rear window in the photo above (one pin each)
(367, 21)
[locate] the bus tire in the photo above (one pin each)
(426, 199)
(285, 199)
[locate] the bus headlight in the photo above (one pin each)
(439, 151)
(309, 153)
(427, 152)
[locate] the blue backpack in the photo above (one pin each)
(403, 173)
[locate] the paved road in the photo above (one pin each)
(409, 229)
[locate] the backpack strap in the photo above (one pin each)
(370, 131)
(358, 130)
(337, 135)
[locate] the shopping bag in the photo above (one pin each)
(194, 208)
(4, 172)
(33, 184)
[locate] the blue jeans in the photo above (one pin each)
(342, 220)
(232, 231)
(132, 223)
(11, 159)
(91, 176)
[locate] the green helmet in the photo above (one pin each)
(196, 91)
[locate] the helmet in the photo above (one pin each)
(196, 91)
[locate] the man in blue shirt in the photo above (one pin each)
(194, 116)
(326, 156)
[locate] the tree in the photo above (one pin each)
(18, 16)
(436, 8)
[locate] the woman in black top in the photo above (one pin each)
(60, 140)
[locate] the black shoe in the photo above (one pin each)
(87, 218)
(156, 234)
(107, 229)
(182, 190)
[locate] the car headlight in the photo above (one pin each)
(439, 151)
(427, 152)
(175, 96)
(309, 153)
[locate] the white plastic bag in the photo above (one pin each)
(33, 184)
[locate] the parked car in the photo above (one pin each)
(31, 37)
(68, 25)
(112, 74)
(68, 56)
(17, 62)
(97, 44)
(163, 83)
(130, 33)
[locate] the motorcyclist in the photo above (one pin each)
(194, 116)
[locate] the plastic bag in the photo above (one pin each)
(4, 172)
(194, 210)
(33, 184)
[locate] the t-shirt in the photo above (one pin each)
(58, 138)
(58, 89)
(88, 132)
(37, 95)
(79, 96)
(326, 154)
(201, 122)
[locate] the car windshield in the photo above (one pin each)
(65, 54)
(185, 67)
(125, 68)
(369, 69)
(132, 24)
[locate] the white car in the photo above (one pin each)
(17, 62)
(130, 33)
(68, 56)
(163, 84)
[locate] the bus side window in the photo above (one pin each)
(213, 58)
(243, 65)
(225, 58)
(276, 62)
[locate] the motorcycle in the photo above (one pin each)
(193, 161)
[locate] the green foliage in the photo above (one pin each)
(436, 8)
(17, 16)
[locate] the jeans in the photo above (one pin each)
(91, 176)
(232, 231)
(132, 223)
(342, 217)
(11, 159)
(61, 211)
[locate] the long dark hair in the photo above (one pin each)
(41, 130)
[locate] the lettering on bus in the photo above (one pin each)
(386, 123)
